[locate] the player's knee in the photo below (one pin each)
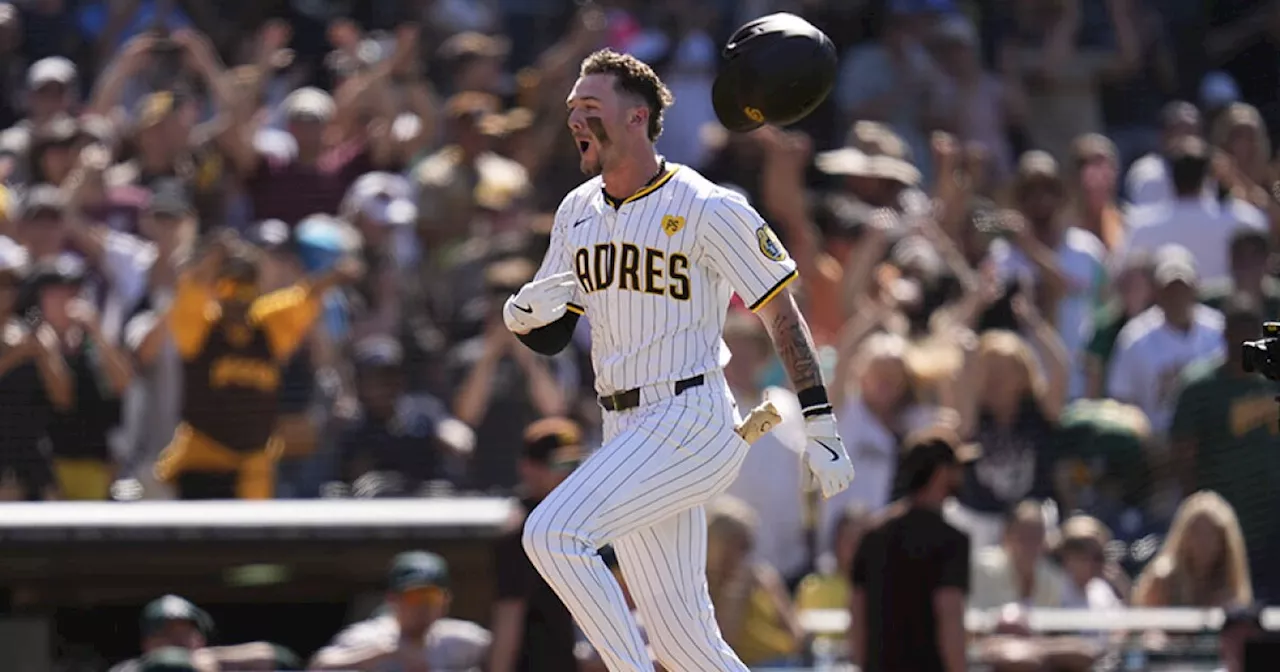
(543, 536)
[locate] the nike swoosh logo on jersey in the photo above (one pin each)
(575, 224)
(834, 455)
(530, 311)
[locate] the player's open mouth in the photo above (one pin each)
(583, 145)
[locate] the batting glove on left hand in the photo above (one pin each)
(539, 303)
(825, 456)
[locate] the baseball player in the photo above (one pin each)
(652, 252)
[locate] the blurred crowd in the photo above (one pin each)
(261, 252)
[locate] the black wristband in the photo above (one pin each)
(814, 401)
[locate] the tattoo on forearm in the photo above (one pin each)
(795, 348)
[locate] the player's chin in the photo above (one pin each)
(589, 165)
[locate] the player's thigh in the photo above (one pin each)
(668, 460)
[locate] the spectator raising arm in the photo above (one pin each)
(1053, 355)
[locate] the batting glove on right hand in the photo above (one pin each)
(539, 303)
(825, 456)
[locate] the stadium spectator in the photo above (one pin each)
(1018, 570)
(911, 573)
(1250, 258)
(100, 373)
(878, 395)
(1222, 436)
(1094, 182)
(1058, 265)
(1132, 294)
(172, 626)
(769, 473)
(399, 441)
(1204, 227)
(233, 343)
(1010, 408)
(1203, 561)
(1082, 553)
(752, 605)
(34, 378)
(1148, 181)
(532, 629)
(1153, 347)
(411, 633)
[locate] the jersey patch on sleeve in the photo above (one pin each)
(770, 246)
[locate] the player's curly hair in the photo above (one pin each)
(636, 78)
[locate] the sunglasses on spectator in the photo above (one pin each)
(425, 595)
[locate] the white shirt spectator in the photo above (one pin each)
(993, 582)
(873, 448)
(451, 645)
(1148, 182)
(1082, 258)
(769, 480)
(1097, 595)
(1150, 356)
(1204, 227)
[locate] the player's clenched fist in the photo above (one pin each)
(825, 455)
(539, 303)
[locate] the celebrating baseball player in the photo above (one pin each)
(652, 252)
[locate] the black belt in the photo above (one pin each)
(624, 401)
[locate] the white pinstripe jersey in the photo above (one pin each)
(656, 273)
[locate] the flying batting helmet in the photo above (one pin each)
(777, 69)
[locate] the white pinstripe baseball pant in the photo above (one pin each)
(643, 492)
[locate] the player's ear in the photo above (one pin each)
(639, 116)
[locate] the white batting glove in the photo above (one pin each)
(825, 456)
(539, 303)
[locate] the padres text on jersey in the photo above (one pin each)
(656, 271)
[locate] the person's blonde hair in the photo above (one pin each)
(887, 347)
(1231, 570)
(730, 517)
(1004, 343)
(1242, 115)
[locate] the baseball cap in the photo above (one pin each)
(1037, 164)
(378, 352)
(51, 70)
(169, 199)
(173, 608)
(383, 197)
(417, 569)
(42, 198)
(926, 450)
(309, 103)
(65, 269)
(554, 442)
(271, 235)
(1175, 263)
(872, 149)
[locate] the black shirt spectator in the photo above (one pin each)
(903, 564)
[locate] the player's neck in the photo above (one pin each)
(632, 175)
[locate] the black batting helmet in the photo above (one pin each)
(777, 69)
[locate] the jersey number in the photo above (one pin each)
(650, 271)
